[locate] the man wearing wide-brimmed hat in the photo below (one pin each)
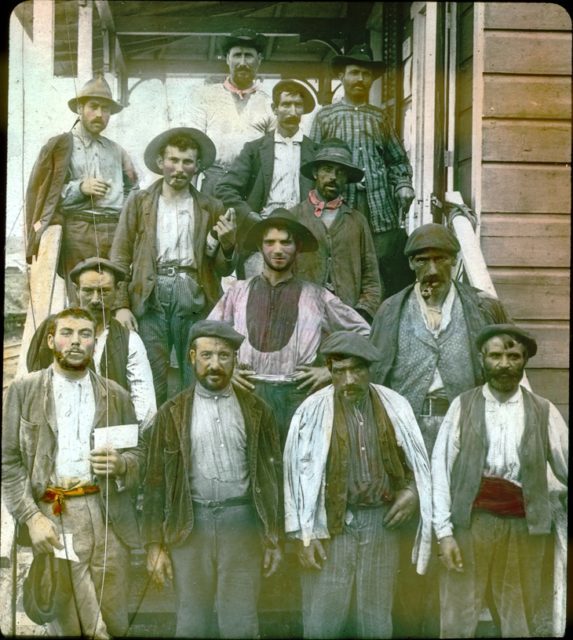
(497, 505)
(80, 181)
(385, 194)
(345, 262)
(283, 318)
(266, 174)
(237, 110)
(165, 242)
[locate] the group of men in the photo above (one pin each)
(344, 395)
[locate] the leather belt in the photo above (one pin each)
(173, 270)
(59, 496)
(229, 502)
(435, 406)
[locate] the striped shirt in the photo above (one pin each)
(377, 149)
(285, 185)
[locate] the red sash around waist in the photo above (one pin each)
(501, 497)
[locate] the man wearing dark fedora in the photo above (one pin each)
(283, 318)
(495, 508)
(164, 241)
(266, 174)
(385, 194)
(119, 353)
(237, 110)
(212, 508)
(426, 336)
(80, 180)
(356, 471)
(345, 262)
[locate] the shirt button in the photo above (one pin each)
(257, 489)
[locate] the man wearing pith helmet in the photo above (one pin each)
(165, 241)
(356, 471)
(80, 180)
(495, 506)
(426, 334)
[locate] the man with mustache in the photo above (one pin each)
(355, 470)
(55, 482)
(212, 507)
(426, 334)
(266, 174)
(119, 353)
(161, 242)
(494, 509)
(385, 194)
(345, 262)
(236, 111)
(80, 180)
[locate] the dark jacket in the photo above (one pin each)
(247, 184)
(134, 247)
(45, 187)
(167, 505)
(346, 257)
(479, 309)
(29, 439)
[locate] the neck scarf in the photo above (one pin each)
(321, 205)
(242, 93)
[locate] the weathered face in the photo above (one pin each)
(330, 179)
(178, 166)
(73, 343)
(243, 63)
(94, 115)
(289, 110)
(356, 81)
(96, 291)
(503, 360)
(350, 378)
(433, 269)
(278, 249)
(213, 360)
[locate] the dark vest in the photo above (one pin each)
(533, 452)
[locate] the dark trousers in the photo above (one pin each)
(395, 272)
(219, 566)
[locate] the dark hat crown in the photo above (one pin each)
(244, 37)
(216, 329)
(338, 152)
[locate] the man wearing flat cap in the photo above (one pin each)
(212, 503)
(283, 318)
(236, 111)
(119, 353)
(385, 193)
(495, 506)
(426, 334)
(266, 174)
(345, 262)
(80, 180)
(164, 241)
(356, 470)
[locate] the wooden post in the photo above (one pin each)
(85, 41)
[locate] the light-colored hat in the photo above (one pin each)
(95, 88)
(207, 151)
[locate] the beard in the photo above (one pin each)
(285, 266)
(80, 365)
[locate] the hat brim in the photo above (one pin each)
(338, 63)
(207, 151)
(354, 173)
(304, 236)
(115, 107)
(308, 101)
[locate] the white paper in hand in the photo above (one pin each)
(121, 436)
(67, 553)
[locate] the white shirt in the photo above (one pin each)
(175, 227)
(139, 376)
(285, 185)
(504, 422)
(74, 402)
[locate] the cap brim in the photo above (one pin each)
(207, 149)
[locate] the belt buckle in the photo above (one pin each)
(171, 271)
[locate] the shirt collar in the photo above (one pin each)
(58, 377)
(488, 395)
(86, 139)
(265, 280)
(202, 391)
(296, 138)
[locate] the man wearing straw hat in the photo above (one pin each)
(165, 241)
(345, 262)
(80, 180)
(385, 194)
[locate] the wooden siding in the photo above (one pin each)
(524, 179)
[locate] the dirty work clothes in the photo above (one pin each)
(176, 303)
(99, 563)
(351, 596)
(220, 562)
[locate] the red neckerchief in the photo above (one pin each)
(320, 205)
(240, 92)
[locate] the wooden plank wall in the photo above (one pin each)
(525, 177)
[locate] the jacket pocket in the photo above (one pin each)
(29, 437)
